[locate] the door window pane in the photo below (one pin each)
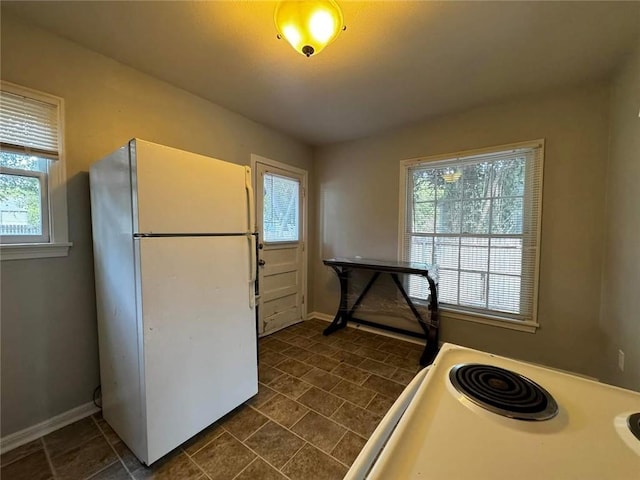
(281, 209)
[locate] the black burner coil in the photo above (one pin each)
(503, 391)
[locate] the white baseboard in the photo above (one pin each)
(21, 437)
(320, 316)
(366, 328)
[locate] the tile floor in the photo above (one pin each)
(319, 400)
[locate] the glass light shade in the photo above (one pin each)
(451, 175)
(309, 26)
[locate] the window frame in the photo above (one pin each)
(54, 210)
(44, 206)
(487, 317)
(300, 196)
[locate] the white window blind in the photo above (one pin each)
(281, 208)
(32, 191)
(477, 217)
(29, 125)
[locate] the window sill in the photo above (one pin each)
(23, 251)
(529, 326)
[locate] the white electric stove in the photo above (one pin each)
(473, 415)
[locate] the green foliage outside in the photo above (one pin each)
(19, 191)
(453, 220)
(465, 205)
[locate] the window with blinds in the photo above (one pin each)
(281, 208)
(477, 217)
(29, 145)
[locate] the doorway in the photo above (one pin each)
(281, 210)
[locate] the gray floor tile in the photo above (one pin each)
(378, 368)
(294, 367)
(354, 393)
(372, 353)
(127, 457)
(300, 341)
(260, 470)
(243, 422)
(270, 357)
(348, 358)
(84, 460)
(264, 394)
(268, 374)
(174, 466)
(283, 410)
(113, 472)
(289, 386)
(320, 401)
(274, 443)
(348, 448)
(321, 379)
(357, 419)
(30, 467)
(107, 431)
(400, 362)
(297, 353)
(274, 344)
(383, 386)
(322, 349)
(224, 458)
(209, 434)
(402, 376)
(323, 362)
(380, 405)
(71, 436)
(310, 463)
(320, 431)
(20, 452)
(353, 374)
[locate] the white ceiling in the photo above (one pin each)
(397, 62)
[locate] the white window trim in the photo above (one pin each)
(449, 311)
(58, 244)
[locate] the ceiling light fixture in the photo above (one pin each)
(309, 26)
(451, 175)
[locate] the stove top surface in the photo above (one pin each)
(448, 434)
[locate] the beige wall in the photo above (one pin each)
(49, 344)
(357, 188)
(620, 314)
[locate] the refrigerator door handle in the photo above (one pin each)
(252, 268)
(249, 186)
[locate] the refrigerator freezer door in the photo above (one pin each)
(199, 334)
(181, 192)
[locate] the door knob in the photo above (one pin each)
(261, 262)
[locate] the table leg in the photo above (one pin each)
(430, 330)
(340, 320)
(432, 336)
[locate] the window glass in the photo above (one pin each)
(281, 208)
(23, 198)
(477, 219)
(32, 191)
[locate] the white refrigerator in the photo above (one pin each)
(175, 272)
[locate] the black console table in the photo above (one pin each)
(343, 268)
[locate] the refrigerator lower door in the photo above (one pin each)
(199, 334)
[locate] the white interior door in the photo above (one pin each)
(280, 221)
